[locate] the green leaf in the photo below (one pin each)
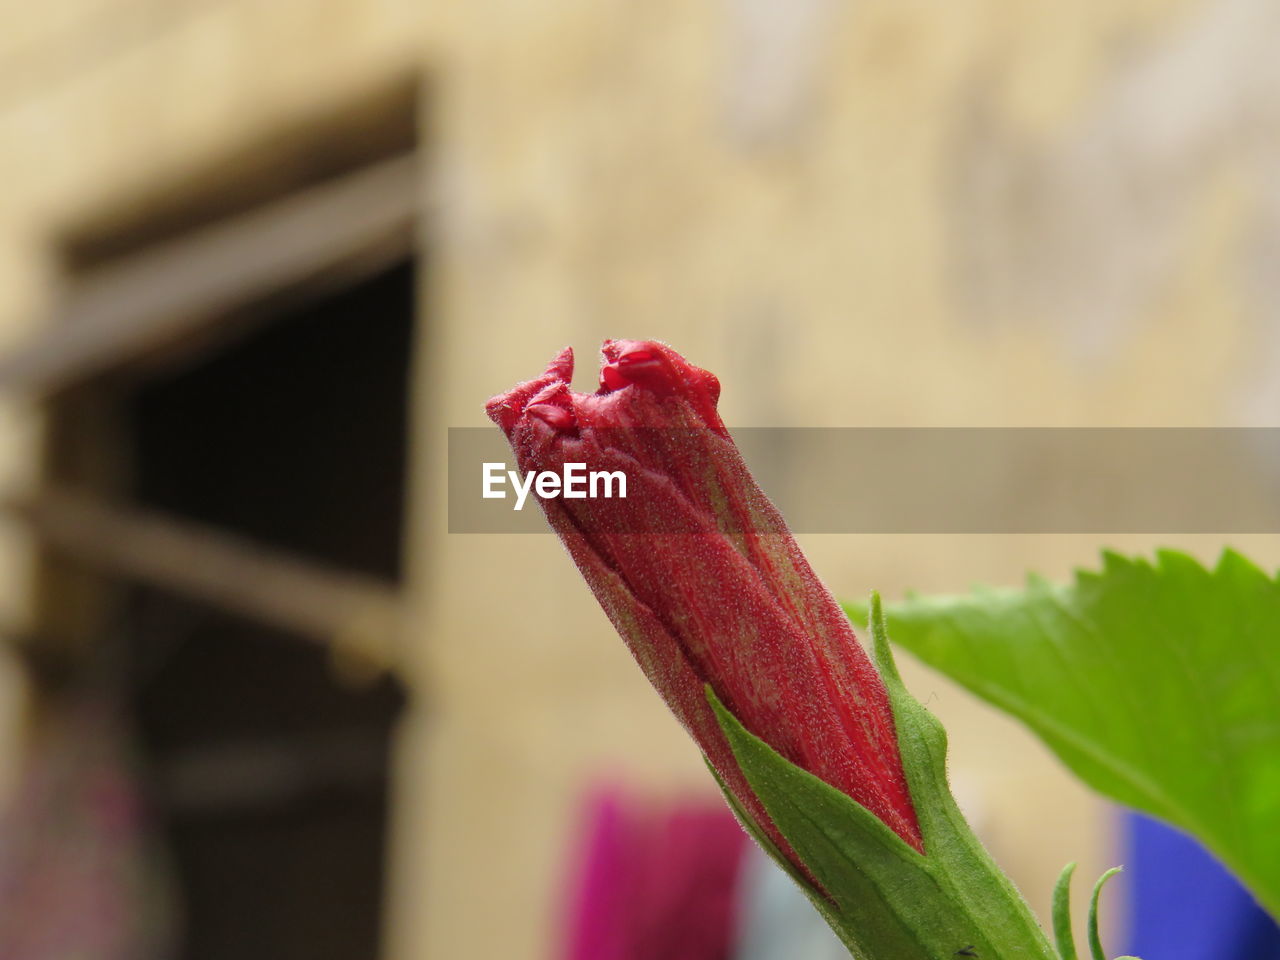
(1158, 683)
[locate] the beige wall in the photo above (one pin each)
(989, 212)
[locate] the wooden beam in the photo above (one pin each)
(359, 615)
(153, 301)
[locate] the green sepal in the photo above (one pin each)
(1062, 915)
(872, 884)
(1095, 941)
(1062, 935)
(949, 842)
(816, 896)
(884, 899)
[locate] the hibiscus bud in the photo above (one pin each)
(698, 573)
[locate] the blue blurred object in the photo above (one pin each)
(1184, 905)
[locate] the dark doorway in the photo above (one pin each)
(268, 762)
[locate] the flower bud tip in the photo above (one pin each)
(558, 418)
(506, 408)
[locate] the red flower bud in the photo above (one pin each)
(700, 576)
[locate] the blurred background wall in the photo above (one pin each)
(870, 213)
